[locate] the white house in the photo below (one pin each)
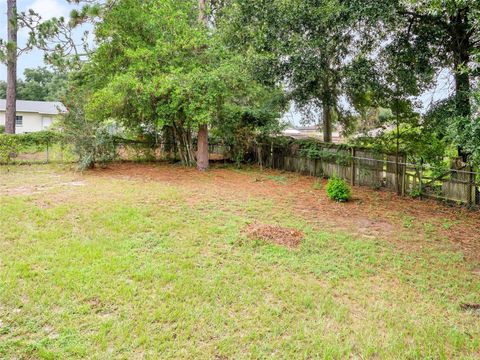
(33, 116)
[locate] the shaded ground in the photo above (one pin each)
(370, 214)
(154, 261)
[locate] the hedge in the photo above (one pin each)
(13, 144)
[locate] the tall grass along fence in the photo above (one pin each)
(366, 167)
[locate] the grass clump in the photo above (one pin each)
(317, 185)
(338, 190)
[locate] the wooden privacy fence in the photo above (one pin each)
(367, 167)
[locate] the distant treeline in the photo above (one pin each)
(40, 84)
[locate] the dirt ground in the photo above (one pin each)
(371, 214)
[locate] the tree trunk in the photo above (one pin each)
(462, 99)
(11, 67)
(184, 143)
(202, 12)
(461, 48)
(462, 91)
(202, 149)
(327, 124)
(397, 151)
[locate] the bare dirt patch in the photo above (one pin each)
(275, 234)
(74, 183)
(24, 190)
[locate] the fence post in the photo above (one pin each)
(260, 158)
(272, 163)
(470, 187)
(404, 174)
(420, 185)
(353, 166)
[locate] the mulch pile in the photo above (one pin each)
(275, 234)
(473, 307)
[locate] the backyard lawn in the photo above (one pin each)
(157, 261)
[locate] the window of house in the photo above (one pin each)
(46, 122)
(19, 120)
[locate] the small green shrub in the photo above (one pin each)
(9, 147)
(338, 190)
(415, 193)
(2, 129)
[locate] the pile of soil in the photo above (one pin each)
(275, 234)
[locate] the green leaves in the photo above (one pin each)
(9, 146)
(40, 84)
(338, 190)
(155, 69)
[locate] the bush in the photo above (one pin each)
(91, 140)
(338, 190)
(416, 193)
(39, 139)
(2, 129)
(9, 147)
(314, 149)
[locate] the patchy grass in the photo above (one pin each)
(317, 185)
(151, 262)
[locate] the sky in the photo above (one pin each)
(47, 9)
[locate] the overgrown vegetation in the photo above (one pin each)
(314, 149)
(92, 141)
(231, 67)
(173, 81)
(12, 145)
(9, 147)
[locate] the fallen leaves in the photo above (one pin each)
(275, 234)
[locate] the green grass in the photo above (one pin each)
(134, 269)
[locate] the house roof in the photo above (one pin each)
(41, 107)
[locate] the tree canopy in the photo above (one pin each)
(173, 80)
(359, 64)
(39, 84)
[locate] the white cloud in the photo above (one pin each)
(50, 8)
